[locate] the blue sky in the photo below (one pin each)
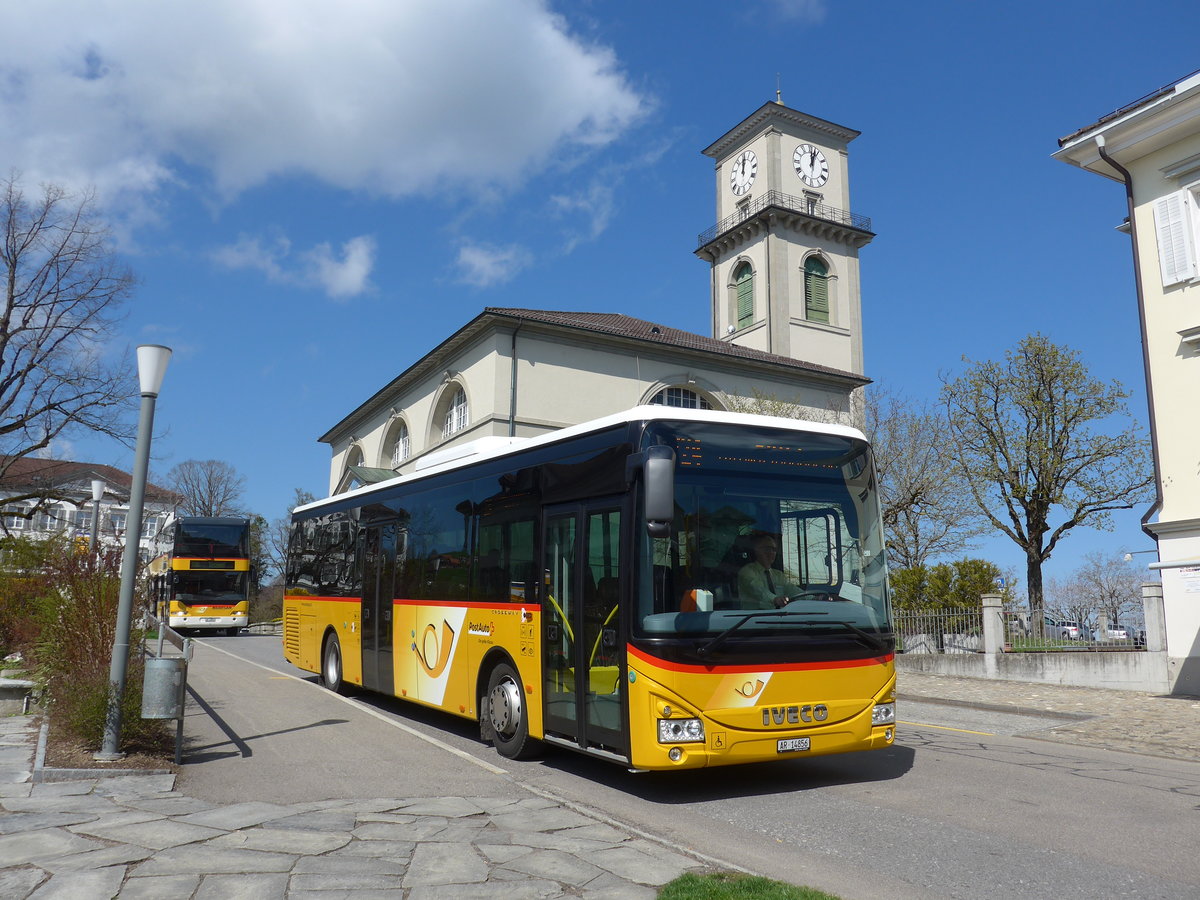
(314, 194)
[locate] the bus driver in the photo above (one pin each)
(760, 585)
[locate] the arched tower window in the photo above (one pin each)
(682, 397)
(816, 290)
(743, 283)
(456, 414)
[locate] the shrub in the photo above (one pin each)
(77, 624)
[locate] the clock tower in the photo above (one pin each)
(784, 251)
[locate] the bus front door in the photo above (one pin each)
(379, 567)
(583, 690)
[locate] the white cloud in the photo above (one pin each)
(485, 265)
(339, 277)
(375, 95)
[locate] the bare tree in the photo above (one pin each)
(63, 287)
(1025, 444)
(208, 487)
(1103, 582)
(281, 529)
(927, 510)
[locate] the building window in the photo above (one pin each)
(456, 414)
(816, 290)
(116, 521)
(743, 283)
(402, 448)
(1174, 227)
(14, 520)
(681, 397)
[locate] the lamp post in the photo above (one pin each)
(97, 493)
(152, 366)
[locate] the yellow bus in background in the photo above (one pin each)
(581, 590)
(200, 574)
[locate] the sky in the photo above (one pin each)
(314, 194)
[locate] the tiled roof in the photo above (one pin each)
(29, 473)
(639, 329)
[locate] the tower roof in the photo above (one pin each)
(773, 112)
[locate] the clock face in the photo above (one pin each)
(745, 166)
(811, 165)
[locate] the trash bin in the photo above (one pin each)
(163, 687)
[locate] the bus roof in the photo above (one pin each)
(495, 447)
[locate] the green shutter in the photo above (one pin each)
(744, 279)
(816, 291)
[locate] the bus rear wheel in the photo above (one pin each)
(507, 716)
(331, 665)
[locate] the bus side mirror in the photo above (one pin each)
(658, 482)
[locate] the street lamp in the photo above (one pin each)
(152, 366)
(97, 493)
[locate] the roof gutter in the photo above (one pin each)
(1141, 301)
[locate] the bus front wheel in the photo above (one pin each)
(331, 665)
(506, 714)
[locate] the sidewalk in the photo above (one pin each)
(136, 836)
(1129, 721)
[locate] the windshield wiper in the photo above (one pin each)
(874, 641)
(708, 647)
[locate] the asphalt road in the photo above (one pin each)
(968, 804)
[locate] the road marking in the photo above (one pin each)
(495, 770)
(947, 728)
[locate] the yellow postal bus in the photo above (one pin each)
(598, 588)
(200, 574)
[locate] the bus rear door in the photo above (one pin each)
(379, 568)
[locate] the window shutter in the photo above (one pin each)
(745, 295)
(816, 291)
(1176, 258)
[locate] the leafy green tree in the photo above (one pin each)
(1029, 446)
(948, 586)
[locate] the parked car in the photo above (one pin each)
(1114, 632)
(1062, 628)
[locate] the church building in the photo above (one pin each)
(786, 324)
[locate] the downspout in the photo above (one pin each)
(1141, 301)
(512, 386)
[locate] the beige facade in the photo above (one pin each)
(526, 372)
(1153, 147)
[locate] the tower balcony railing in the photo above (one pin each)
(802, 205)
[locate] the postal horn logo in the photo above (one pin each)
(434, 648)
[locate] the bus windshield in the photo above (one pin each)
(211, 538)
(776, 534)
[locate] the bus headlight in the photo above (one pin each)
(680, 731)
(883, 714)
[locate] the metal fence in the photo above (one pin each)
(1078, 629)
(940, 631)
(961, 631)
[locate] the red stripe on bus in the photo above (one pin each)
(400, 601)
(643, 657)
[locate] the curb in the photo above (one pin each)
(43, 775)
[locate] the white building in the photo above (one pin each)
(1152, 147)
(40, 497)
(786, 320)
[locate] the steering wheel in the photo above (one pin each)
(813, 595)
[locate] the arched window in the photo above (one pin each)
(816, 290)
(402, 447)
(675, 396)
(456, 414)
(743, 283)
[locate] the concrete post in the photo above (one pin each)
(1155, 615)
(993, 624)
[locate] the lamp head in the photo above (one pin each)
(97, 489)
(152, 366)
